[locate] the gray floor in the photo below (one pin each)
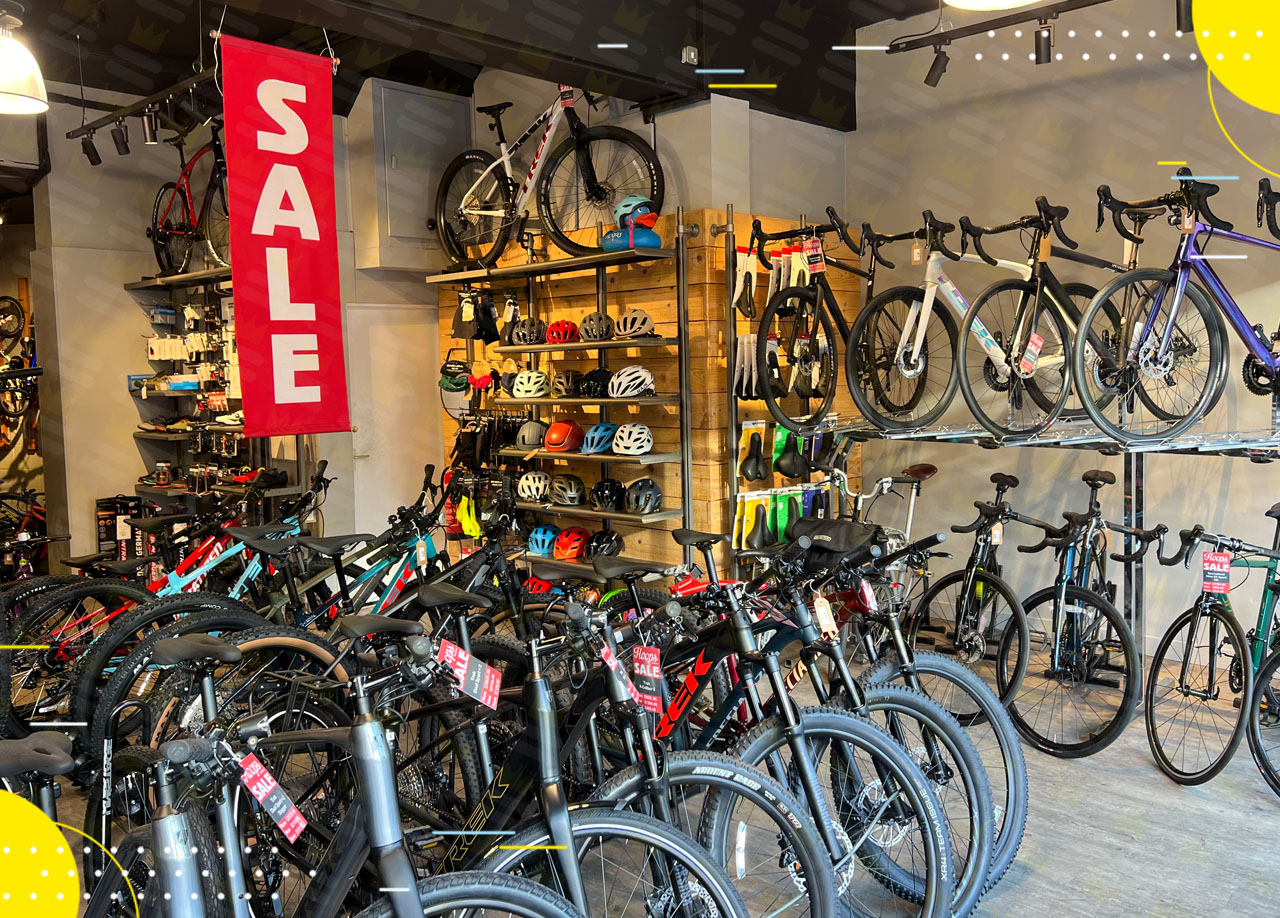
(1111, 837)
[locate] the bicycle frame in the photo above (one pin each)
(1258, 637)
(195, 217)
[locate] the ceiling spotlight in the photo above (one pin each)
(22, 89)
(937, 68)
(1184, 15)
(90, 151)
(150, 126)
(989, 5)
(1044, 43)
(120, 137)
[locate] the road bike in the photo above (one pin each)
(480, 204)
(180, 218)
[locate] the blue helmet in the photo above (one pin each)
(599, 438)
(636, 210)
(542, 540)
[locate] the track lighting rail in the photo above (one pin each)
(1033, 14)
(139, 107)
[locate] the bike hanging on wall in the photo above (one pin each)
(480, 201)
(180, 220)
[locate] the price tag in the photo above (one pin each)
(422, 552)
(267, 791)
(566, 96)
(917, 253)
(476, 679)
(826, 619)
(468, 307)
(1031, 356)
(1187, 226)
(813, 256)
(1046, 248)
(615, 666)
(1216, 576)
(646, 663)
(997, 534)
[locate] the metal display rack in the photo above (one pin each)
(508, 276)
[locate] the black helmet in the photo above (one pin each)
(529, 331)
(644, 496)
(596, 384)
(531, 434)
(604, 542)
(597, 326)
(607, 494)
(566, 384)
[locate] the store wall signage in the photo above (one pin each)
(284, 243)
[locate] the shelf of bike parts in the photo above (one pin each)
(586, 513)
(174, 437)
(586, 346)
(503, 402)
(554, 266)
(242, 490)
(146, 393)
(207, 276)
(646, 459)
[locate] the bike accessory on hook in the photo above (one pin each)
(753, 467)
(744, 283)
(790, 462)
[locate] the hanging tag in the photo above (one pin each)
(646, 663)
(476, 679)
(1188, 224)
(1130, 252)
(422, 552)
(1031, 356)
(813, 256)
(1216, 576)
(1046, 248)
(468, 307)
(610, 659)
(997, 534)
(826, 619)
(917, 253)
(510, 307)
(268, 792)
(566, 95)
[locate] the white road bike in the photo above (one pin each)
(481, 201)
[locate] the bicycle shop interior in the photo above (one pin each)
(758, 367)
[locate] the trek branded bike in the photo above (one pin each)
(194, 208)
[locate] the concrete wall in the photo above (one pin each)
(992, 136)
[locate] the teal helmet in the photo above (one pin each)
(635, 209)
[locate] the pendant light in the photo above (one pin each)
(22, 89)
(989, 5)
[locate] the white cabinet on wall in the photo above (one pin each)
(399, 139)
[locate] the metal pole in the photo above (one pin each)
(731, 352)
(1134, 511)
(686, 419)
(602, 299)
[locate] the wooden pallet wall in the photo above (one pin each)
(652, 287)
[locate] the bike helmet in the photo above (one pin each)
(635, 209)
(596, 384)
(542, 540)
(562, 332)
(571, 544)
(633, 440)
(604, 542)
(644, 496)
(563, 436)
(607, 495)
(599, 438)
(529, 331)
(597, 326)
(567, 384)
(631, 382)
(531, 435)
(633, 323)
(531, 384)
(536, 586)
(567, 490)
(533, 486)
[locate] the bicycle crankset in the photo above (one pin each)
(1257, 379)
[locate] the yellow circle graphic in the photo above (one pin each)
(38, 873)
(1240, 42)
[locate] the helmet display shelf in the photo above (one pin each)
(616, 329)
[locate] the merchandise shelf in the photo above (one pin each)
(554, 266)
(170, 436)
(190, 279)
(587, 345)
(580, 402)
(646, 459)
(586, 513)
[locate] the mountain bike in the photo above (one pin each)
(19, 381)
(180, 218)
(1197, 700)
(479, 204)
(796, 337)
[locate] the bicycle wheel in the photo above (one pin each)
(971, 628)
(15, 398)
(1131, 391)
(473, 209)
(747, 821)
(171, 230)
(19, 596)
(1195, 717)
(13, 322)
(1012, 385)
(216, 226)
(131, 798)
(880, 805)
(631, 864)
(977, 708)
(572, 208)
(890, 389)
(796, 360)
(468, 893)
(1264, 721)
(1082, 679)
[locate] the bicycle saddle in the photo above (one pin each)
(271, 548)
(191, 647)
(254, 532)
(1096, 478)
(46, 753)
(494, 110)
(753, 467)
(1274, 512)
(553, 574)
(791, 464)
(1004, 481)
(699, 540)
(759, 536)
(334, 545)
(126, 568)
(611, 566)
(156, 523)
(354, 626)
(434, 595)
(921, 471)
(794, 508)
(84, 562)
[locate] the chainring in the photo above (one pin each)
(1255, 377)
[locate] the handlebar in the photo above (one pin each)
(1046, 219)
(1192, 195)
(915, 547)
(188, 751)
(986, 510)
(1267, 200)
(1054, 217)
(1054, 536)
(1189, 537)
(936, 231)
(759, 237)
(1144, 536)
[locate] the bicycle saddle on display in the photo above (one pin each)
(1003, 481)
(794, 508)
(1274, 512)
(791, 463)
(819, 506)
(1096, 478)
(825, 460)
(46, 753)
(753, 467)
(921, 471)
(495, 109)
(760, 537)
(190, 648)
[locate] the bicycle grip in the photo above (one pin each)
(187, 751)
(757, 239)
(842, 229)
(868, 233)
(1188, 538)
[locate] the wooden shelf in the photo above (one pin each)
(586, 513)
(173, 436)
(165, 393)
(646, 459)
(588, 345)
(570, 567)
(579, 402)
(190, 279)
(555, 266)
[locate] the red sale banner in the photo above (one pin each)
(284, 242)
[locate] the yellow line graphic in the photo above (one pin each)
(1172, 162)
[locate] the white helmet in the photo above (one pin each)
(633, 323)
(631, 382)
(633, 440)
(531, 384)
(533, 486)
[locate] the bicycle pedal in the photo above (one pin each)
(1237, 703)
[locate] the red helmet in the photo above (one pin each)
(562, 332)
(563, 437)
(571, 543)
(537, 586)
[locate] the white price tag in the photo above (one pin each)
(997, 534)
(826, 619)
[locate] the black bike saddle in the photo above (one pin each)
(794, 512)
(1274, 513)
(826, 457)
(819, 506)
(753, 467)
(1004, 482)
(1096, 478)
(791, 464)
(759, 537)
